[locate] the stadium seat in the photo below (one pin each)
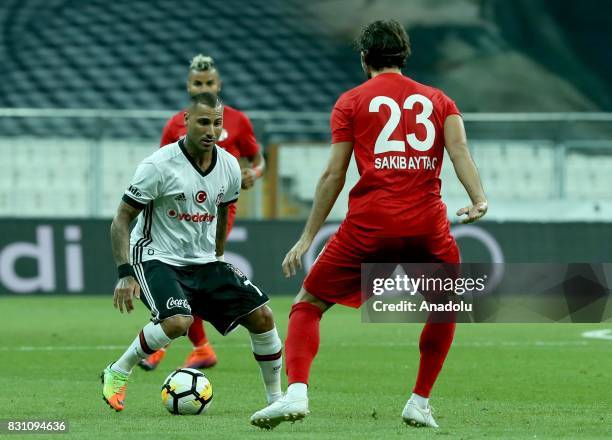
(88, 59)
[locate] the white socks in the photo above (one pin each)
(150, 339)
(297, 391)
(421, 402)
(267, 349)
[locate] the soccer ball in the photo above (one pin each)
(186, 391)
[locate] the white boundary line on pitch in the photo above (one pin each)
(63, 347)
(605, 334)
(33, 348)
(478, 344)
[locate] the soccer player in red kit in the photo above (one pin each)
(238, 138)
(397, 129)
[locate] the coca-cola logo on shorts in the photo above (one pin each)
(174, 303)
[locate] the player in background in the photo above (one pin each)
(397, 129)
(170, 260)
(237, 138)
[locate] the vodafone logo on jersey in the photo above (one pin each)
(201, 196)
(198, 217)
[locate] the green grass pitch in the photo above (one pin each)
(500, 381)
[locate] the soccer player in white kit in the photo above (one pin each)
(181, 195)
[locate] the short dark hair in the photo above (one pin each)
(384, 43)
(206, 98)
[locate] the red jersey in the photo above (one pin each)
(396, 126)
(237, 137)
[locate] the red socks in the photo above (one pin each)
(302, 345)
(302, 341)
(196, 332)
(435, 341)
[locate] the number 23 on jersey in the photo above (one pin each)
(384, 144)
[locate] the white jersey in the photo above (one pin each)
(178, 223)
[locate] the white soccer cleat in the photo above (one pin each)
(283, 410)
(414, 415)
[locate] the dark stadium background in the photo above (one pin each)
(88, 85)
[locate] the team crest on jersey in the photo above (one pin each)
(200, 197)
(220, 196)
(224, 135)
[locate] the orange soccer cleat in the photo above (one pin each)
(201, 357)
(153, 360)
(113, 388)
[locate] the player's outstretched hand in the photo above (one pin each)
(473, 212)
(125, 290)
(293, 259)
(248, 178)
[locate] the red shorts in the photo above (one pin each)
(335, 276)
